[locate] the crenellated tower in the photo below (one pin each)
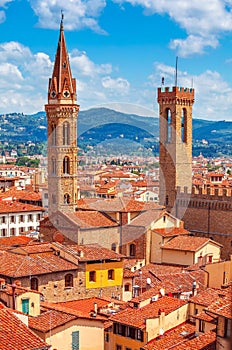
(62, 112)
(175, 112)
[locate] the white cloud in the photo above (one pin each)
(193, 44)
(119, 84)
(78, 14)
(203, 21)
(213, 95)
(84, 66)
(23, 78)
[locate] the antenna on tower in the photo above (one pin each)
(162, 81)
(176, 71)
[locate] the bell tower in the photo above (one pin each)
(175, 113)
(62, 111)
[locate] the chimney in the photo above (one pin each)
(95, 307)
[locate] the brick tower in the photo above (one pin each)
(175, 105)
(62, 111)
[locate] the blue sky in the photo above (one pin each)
(119, 51)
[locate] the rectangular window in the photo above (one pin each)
(12, 219)
(227, 328)
(75, 340)
(30, 217)
(4, 232)
(202, 326)
(92, 276)
(118, 347)
(3, 219)
(139, 335)
(38, 217)
(110, 274)
(12, 231)
(21, 218)
(25, 306)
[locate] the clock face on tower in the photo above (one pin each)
(66, 93)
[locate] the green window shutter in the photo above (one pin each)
(75, 341)
(25, 306)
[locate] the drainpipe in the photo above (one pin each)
(13, 295)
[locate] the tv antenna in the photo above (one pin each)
(176, 72)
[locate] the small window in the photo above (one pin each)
(34, 283)
(92, 276)
(30, 217)
(110, 274)
(118, 347)
(132, 249)
(69, 280)
(66, 165)
(3, 219)
(12, 231)
(21, 218)
(127, 287)
(202, 326)
(12, 219)
(3, 232)
(66, 198)
(38, 217)
(113, 247)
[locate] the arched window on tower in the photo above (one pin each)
(53, 134)
(66, 133)
(169, 125)
(53, 166)
(184, 125)
(66, 198)
(66, 165)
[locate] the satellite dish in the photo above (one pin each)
(148, 280)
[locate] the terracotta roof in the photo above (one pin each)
(15, 207)
(173, 282)
(201, 342)
(8, 242)
(73, 311)
(49, 320)
(207, 297)
(172, 231)
(187, 243)
(223, 305)
(84, 305)
(137, 317)
(16, 335)
(146, 218)
(87, 219)
(95, 252)
(115, 205)
(204, 317)
(172, 337)
(15, 193)
(18, 265)
(34, 248)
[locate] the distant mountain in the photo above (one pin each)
(105, 125)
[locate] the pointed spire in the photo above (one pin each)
(62, 86)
